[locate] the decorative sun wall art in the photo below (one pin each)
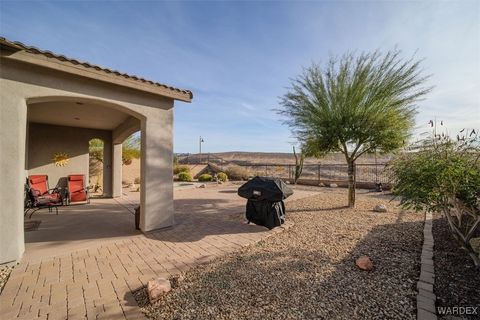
(60, 159)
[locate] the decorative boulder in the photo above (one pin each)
(364, 263)
(380, 208)
(321, 184)
(333, 185)
(203, 185)
(156, 288)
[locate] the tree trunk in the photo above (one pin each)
(351, 184)
(464, 240)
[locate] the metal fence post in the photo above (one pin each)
(318, 170)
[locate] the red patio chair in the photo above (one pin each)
(39, 183)
(77, 192)
(39, 196)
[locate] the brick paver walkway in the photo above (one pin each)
(97, 282)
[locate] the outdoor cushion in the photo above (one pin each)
(39, 182)
(78, 196)
(76, 177)
(48, 200)
(36, 180)
(76, 188)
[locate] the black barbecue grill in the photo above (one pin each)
(265, 197)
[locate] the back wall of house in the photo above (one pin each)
(44, 141)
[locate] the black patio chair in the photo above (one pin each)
(34, 201)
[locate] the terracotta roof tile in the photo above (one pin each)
(49, 54)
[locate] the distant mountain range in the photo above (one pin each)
(245, 158)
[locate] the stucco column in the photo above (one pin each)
(107, 167)
(13, 125)
(156, 170)
(117, 170)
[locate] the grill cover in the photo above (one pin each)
(266, 213)
(263, 188)
(265, 205)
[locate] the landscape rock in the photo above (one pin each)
(203, 185)
(364, 263)
(224, 284)
(321, 184)
(176, 280)
(333, 185)
(156, 288)
(380, 208)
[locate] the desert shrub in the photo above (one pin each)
(137, 180)
(181, 168)
(95, 149)
(131, 149)
(185, 176)
(237, 173)
(205, 177)
(222, 176)
(444, 176)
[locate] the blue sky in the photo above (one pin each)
(237, 57)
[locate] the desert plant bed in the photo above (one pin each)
(457, 282)
(309, 270)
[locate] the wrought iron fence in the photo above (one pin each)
(313, 173)
(322, 172)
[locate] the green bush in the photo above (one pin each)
(237, 173)
(179, 168)
(205, 177)
(222, 176)
(185, 176)
(443, 176)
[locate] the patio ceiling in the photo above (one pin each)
(76, 114)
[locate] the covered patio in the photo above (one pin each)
(200, 212)
(51, 107)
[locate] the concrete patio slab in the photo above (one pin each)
(86, 262)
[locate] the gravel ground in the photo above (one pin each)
(308, 271)
(457, 283)
(4, 274)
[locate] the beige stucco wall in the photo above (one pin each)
(21, 83)
(45, 140)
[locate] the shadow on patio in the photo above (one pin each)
(198, 213)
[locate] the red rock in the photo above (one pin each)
(364, 263)
(157, 288)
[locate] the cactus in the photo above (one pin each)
(298, 165)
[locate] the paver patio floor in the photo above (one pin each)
(86, 262)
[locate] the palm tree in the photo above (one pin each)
(355, 105)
